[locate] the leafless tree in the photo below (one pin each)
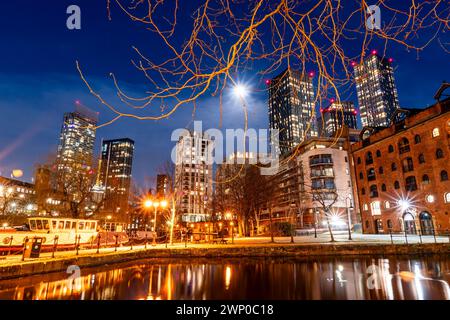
(325, 198)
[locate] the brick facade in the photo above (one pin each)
(401, 173)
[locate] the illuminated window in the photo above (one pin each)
(435, 132)
(376, 208)
(429, 198)
(365, 207)
(387, 204)
(447, 197)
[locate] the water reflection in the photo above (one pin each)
(377, 278)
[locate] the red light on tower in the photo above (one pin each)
(77, 101)
(390, 60)
(332, 100)
(321, 110)
(311, 74)
(267, 81)
(353, 63)
(374, 52)
(355, 112)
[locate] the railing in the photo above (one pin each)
(419, 236)
(98, 243)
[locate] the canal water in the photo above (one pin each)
(331, 278)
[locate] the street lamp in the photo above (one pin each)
(349, 217)
(155, 205)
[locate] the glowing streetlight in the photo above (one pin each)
(109, 217)
(404, 204)
(5, 224)
(148, 203)
(163, 203)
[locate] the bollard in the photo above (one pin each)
(145, 241)
(185, 240)
(24, 247)
(131, 245)
(434, 236)
(78, 243)
(117, 236)
(390, 233)
(10, 245)
(420, 236)
(98, 243)
(55, 245)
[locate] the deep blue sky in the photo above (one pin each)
(39, 82)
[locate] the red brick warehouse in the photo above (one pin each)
(401, 172)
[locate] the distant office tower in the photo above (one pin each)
(377, 95)
(291, 108)
(114, 173)
(193, 176)
(162, 185)
(76, 146)
(336, 115)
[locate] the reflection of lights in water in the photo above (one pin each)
(406, 276)
(339, 275)
(417, 282)
(227, 277)
(387, 279)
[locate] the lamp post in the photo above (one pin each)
(172, 220)
(349, 217)
(315, 222)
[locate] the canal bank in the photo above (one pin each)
(15, 269)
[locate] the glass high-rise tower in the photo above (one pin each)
(114, 173)
(336, 115)
(76, 145)
(377, 95)
(292, 109)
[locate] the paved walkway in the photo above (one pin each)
(324, 238)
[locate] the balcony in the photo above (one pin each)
(320, 161)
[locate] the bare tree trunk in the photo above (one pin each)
(271, 226)
(292, 227)
(257, 222)
(329, 229)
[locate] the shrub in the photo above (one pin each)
(283, 228)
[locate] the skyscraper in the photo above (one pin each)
(193, 176)
(291, 108)
(76, 146)
(114, 173)
(336, 115)
(377, 95)
(162, 185)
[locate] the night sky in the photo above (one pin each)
(39, 82)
